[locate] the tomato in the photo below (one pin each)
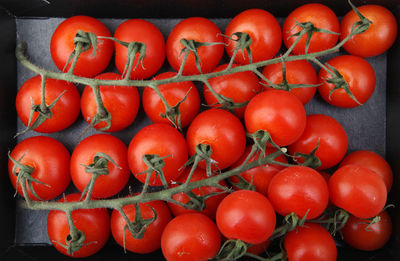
(200, 30)
(331, 136)
(94, 223)
(321, 17)
(50, 162)
(162, 140)
(240, 87)
(264, 31)
(246, 215)
(356, 234)
(358, 190)
(120, 101)
(151, 240)
(191, 236)
(62, 46)
(258, 249)
(278, 112)
(299, 189)
(83, 155)
(310, 242)
(222, 131)
(65, 111)
(377, 39)
(297, 72)
(173, 93)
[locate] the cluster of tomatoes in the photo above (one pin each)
(359, 186)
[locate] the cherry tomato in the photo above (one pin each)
(120, 101)
(62, 46)
(50, 162)
(65, 111)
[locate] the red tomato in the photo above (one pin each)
(310, 242)
(331, 136)
(299, 189)
(246, 215)
(65, 112)
(278, 112)
(50, 161)
(297, 72)
(358, 190)
(142, 31)
(151, 240)
(201, 30)
(94, 223)
(265, 33)
(240, 87)
(321, 17)
(173, 93)
(192, 236)
(105, 185)
(162, 140)
(379, 36)
(258, 249)
(62, 45)
(222, 131)
(120, 101)
(355, 232)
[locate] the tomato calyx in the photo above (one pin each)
(290, 222)
(243, 42)
(154, 163)
(333, 218)
(363, 24)
(243, 184)
(203, 152)
(232, 249)
(309, 160)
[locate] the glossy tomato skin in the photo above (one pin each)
(121, 102)
(377, 38)
(173, 93)
(222, 131)
(163, 140)
(201, 30)
(322, 17)
(332, 138)
(191, 236)
(65, 112)
(62, 45)
(151, 240)
(240, 87)
(278, 112)
(50, 160)
(94, 223)
(106, 185)
(140, 30)
(246, 215)
(357, 190)
(310, 242)
(264, 30)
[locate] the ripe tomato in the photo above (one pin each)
(331, 136)
(299, 189)
(297, 72)
(191, 236)
(65, 112)
(310, 242)
(105, 185)
(151, 240)
(201, 30)
(278, 112)
(94, 223)
(173, 93)
(162, 140)
(120, 101)
(222, 131)
(240, 87)
(265, 33)
(50, 161)
(62, 45)
(377, 38)
(321, 17)
(355, 232)
(357, 190)
(246, 215)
